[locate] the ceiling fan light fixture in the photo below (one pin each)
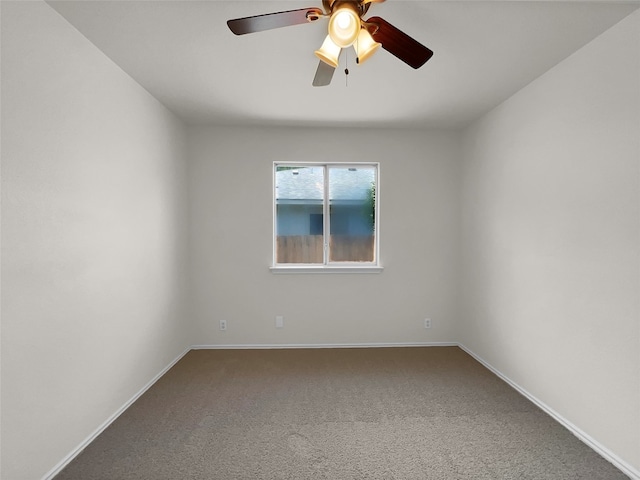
(344, 25)
(346, 28)
(365, 45)
(329, 52)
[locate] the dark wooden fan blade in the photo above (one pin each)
(268, 21)
(398, 43)
(324, 74)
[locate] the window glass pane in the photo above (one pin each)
(299, 214)
(352, 213)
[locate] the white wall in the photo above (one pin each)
(93, 249)
(231, 239)
(551, 239)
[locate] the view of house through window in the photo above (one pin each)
(325, 213)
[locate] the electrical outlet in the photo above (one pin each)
(427, 323)
(279, 321)
(223, 324)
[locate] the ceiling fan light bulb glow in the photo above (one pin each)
(329, 52)
(365, 45)
(344, 26)
(343, 20)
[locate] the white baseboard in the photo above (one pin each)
(263, 346)
(625, 467)
(76, 451)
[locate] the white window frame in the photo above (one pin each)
(327, 266)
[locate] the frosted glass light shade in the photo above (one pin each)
(344, 26)
(329, 52)
(365, 45)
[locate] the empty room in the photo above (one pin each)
(320, 240)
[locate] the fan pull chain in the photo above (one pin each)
(346, 68)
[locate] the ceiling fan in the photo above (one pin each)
(346, 28)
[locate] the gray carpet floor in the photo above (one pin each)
(380, 413)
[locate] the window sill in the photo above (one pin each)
(279, 269)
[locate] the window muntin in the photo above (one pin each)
(325, 214)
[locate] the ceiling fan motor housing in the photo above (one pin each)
(360, 5)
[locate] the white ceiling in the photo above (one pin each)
(183, 53)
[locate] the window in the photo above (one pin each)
(325, 216)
